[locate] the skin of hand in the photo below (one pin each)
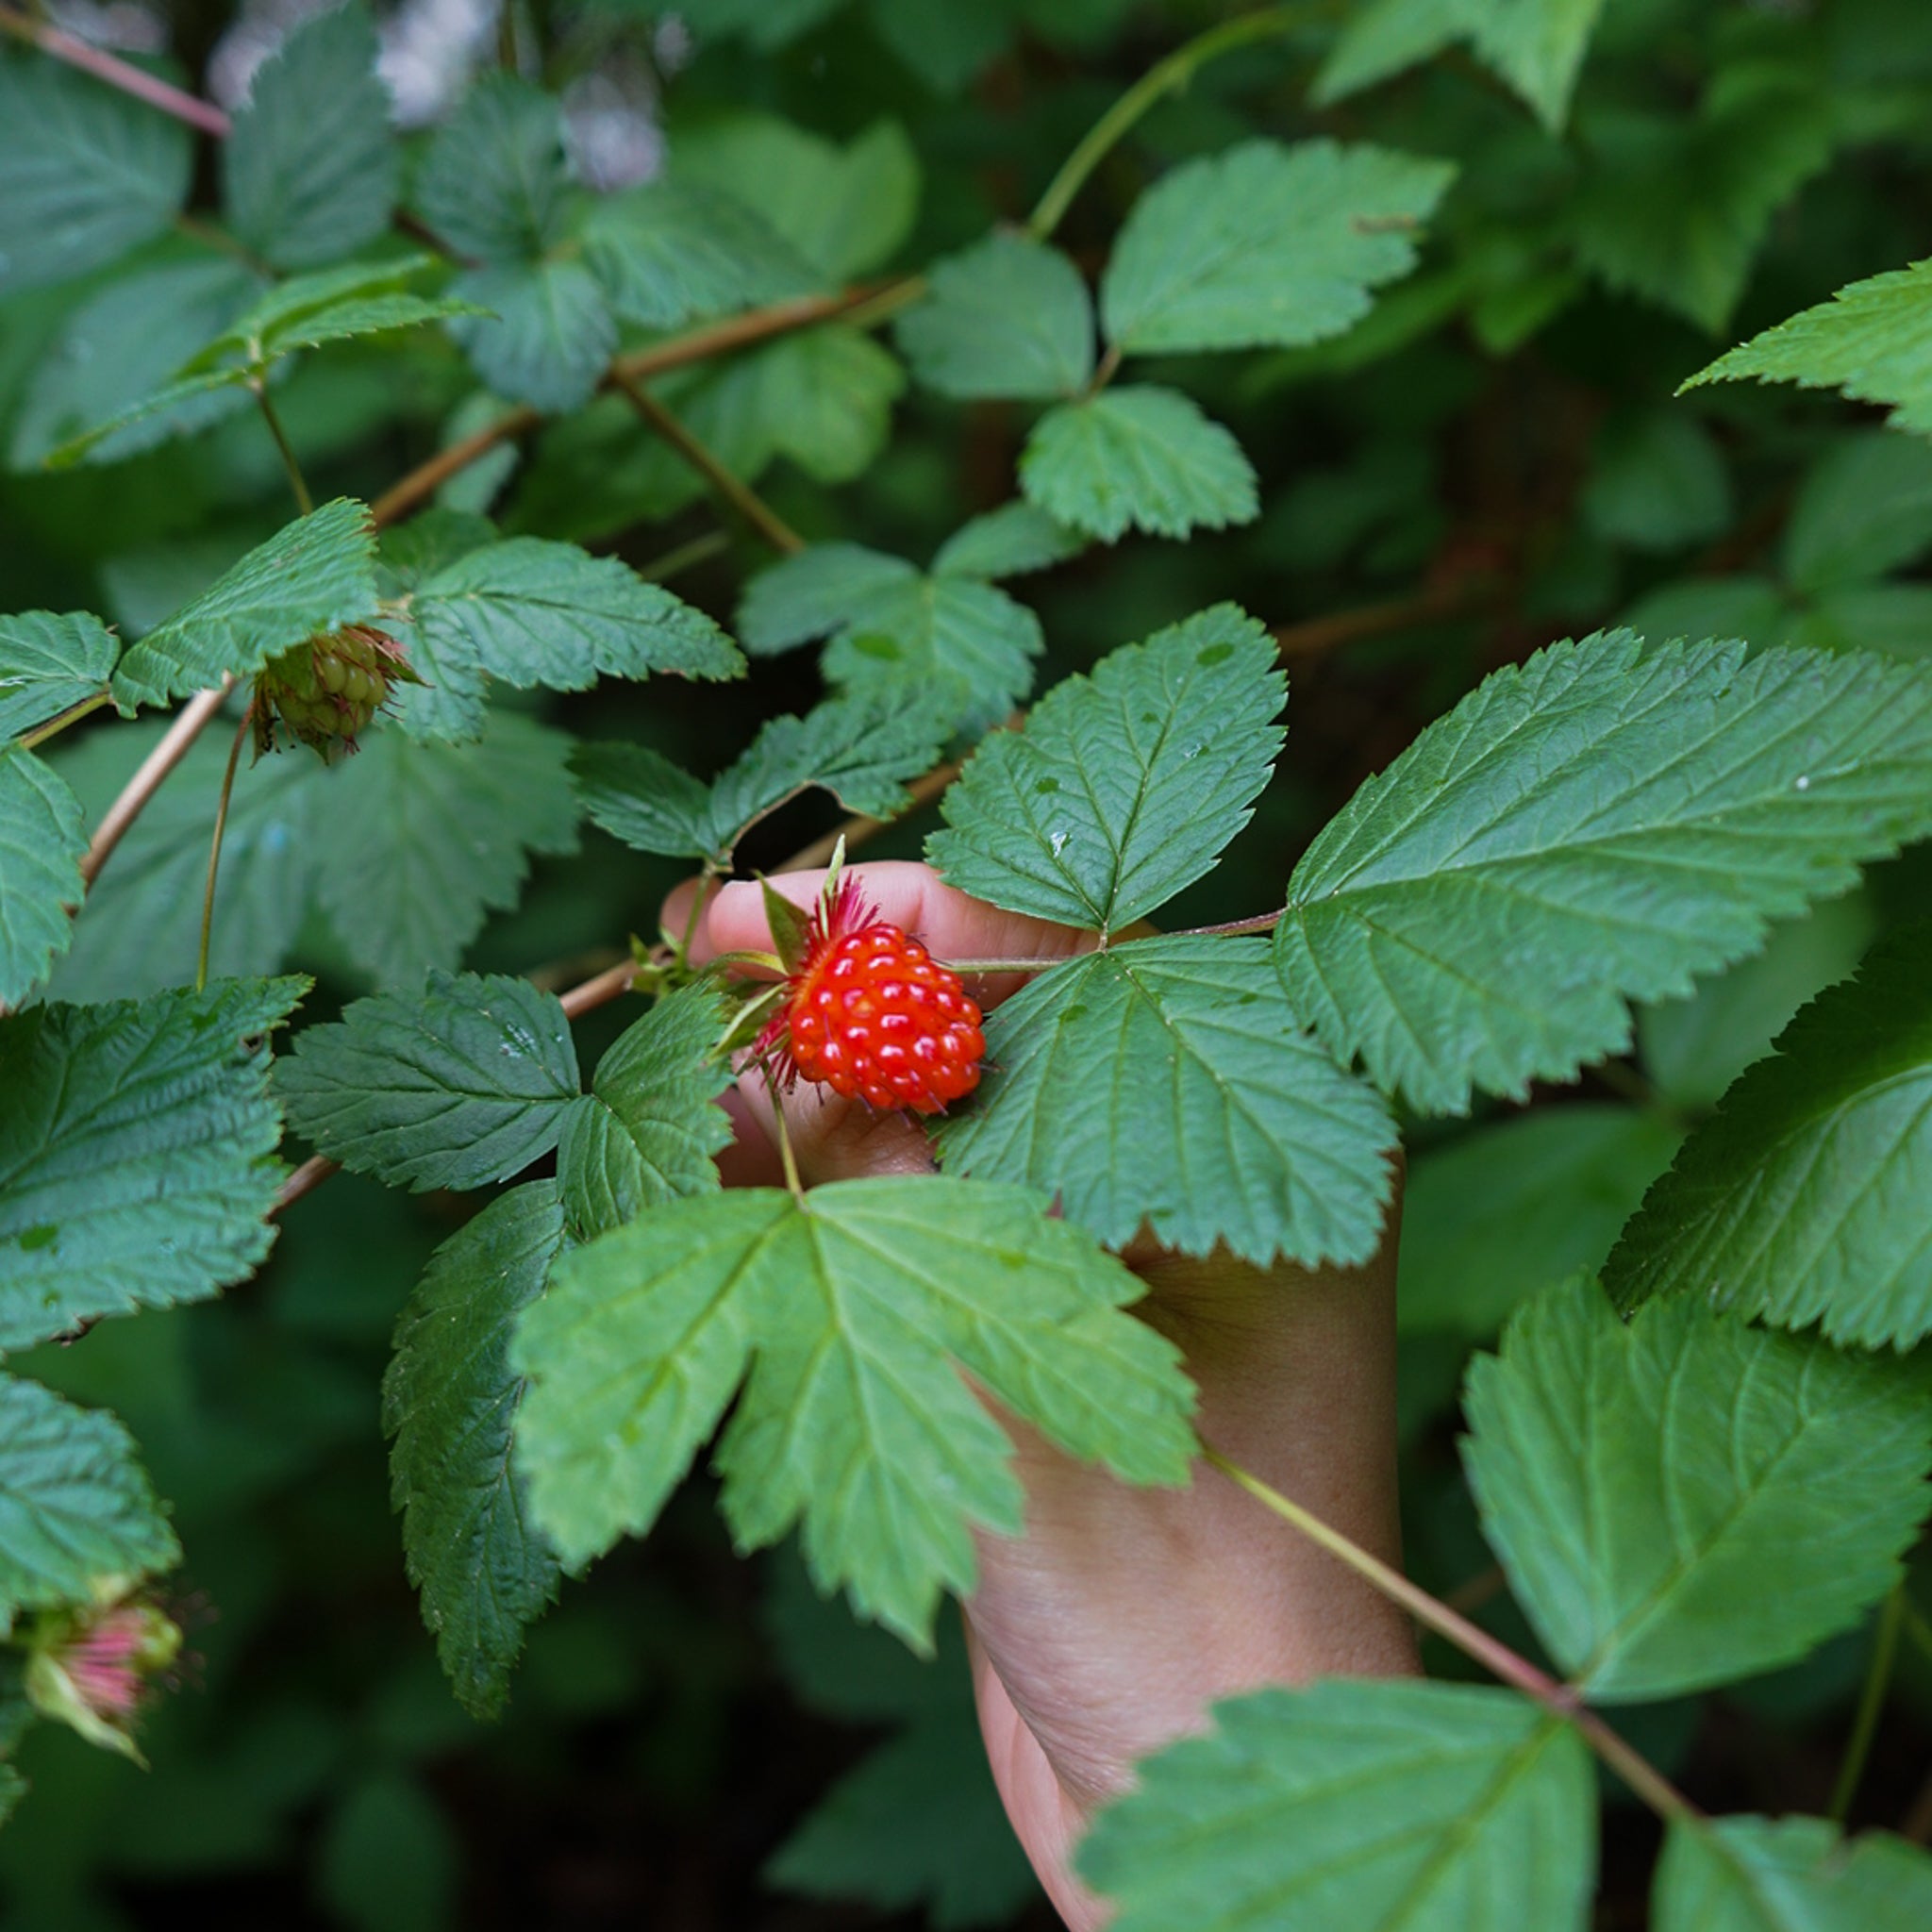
(1122, 1614)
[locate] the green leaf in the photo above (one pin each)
(77, 1510)
(950, 640)
(1892, 619)
(1265, 245)
(316, 575)
(1601, 822)
(947, 45)
(117, 350)
(1007, 317)
(142, 928)
(1166, 1081)
(844, 210)
(1138, 458)
(826, 396)
(1510, 1208)
(1694, 1049)
(1788, 1875)
(670, 252)
(1658, 482)
(447, 830)
(648, 1128)
(1689, 1500)
(816, 592)
(86, 172)
(1536, 45)
(494, 179)
(449, 703)
(1408, 1806)
(861, 749)
(451, 1402)
(137, 1153)
(1122, 786)
(464, 1083)
(47, 662)
(1809, 1197)
(12, 1790)
(1013, 540)
(531, 612)
(1869, 341)
(861, 1299)
(41, 841)
(1866, 509)
(310, 169)
(547, 336)
(1675, 207)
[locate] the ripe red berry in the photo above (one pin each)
(870, 1013)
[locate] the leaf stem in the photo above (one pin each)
(304, 502)
(699, 345)
(685, 557)
(189, 725)
(1891, 1617)
(600, 989)
(214, 854)
(1560, 1700)
(61, 720)
(780, 1131)
(1259, 922)
(304, 1180)
(1164, 77)
(732, 487)
(1035, 964)
(118, 74)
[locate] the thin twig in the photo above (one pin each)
(304, 1180)
(118, 74)
(733, 488)
(1891, 1618)
(1559, 1700)
(714, 339)
(189, 723)
(1259, 922)
(214, 850)
(304, 502)
(1320, 635)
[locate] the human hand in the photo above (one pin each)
(1109, 1628)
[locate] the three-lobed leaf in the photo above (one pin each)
(466, 1082)
(1602, 823)
(1407, 1806)
(1265, 245)
(316, 575)
(853, 1310)
(1808, 1196)
(1125, 785)
(1168, 1081)
(137, 1153)
(77, 1509)
(451, 1402)
(1688, 1500)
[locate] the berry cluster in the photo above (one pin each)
(328, 689)
(870, 1014)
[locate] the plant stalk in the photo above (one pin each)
(1891, 1617)
(1559, 1700)
(214, 854)
(189, 725)
(120, 75)
(61, 720)
(304, 502)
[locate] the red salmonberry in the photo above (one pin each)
(870, 1014)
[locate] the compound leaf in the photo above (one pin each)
(1600, 822)
(1008, 317)
(1124, 786)
(1417, 1807)
(47, 662)
(451, 1402)
(1139, 459)
(463, 1083)
(1808, 1196)
(852, 1309)
(448, 830)
(529, 611)
(317, 574)
(1788, 1875)
(310, 169)
(1689, 1500)
(648, 1128)
(41, 839)
(86, 172)
(77, 1509)
(1869, 341)
(1265, 245)
(1166, 1081)
(137, 1153)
